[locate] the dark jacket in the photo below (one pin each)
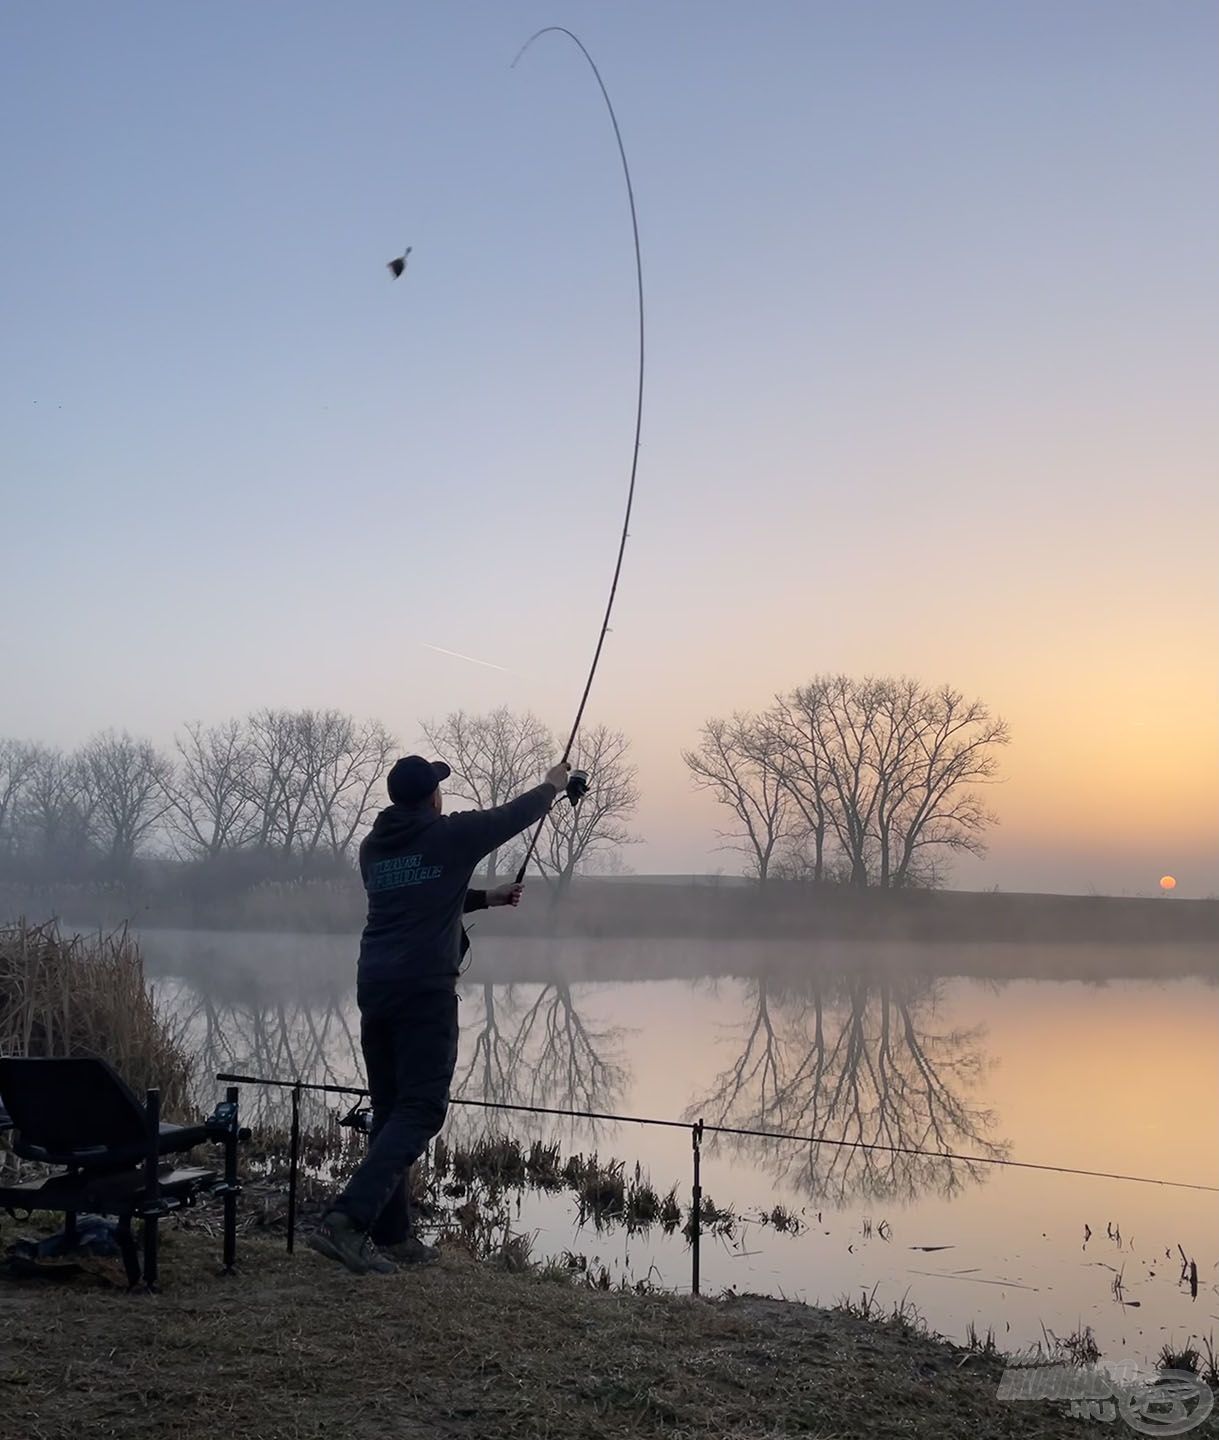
(416, 867)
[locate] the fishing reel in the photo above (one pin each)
(359, 1117)
(577, 786)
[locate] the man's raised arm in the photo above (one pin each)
(478, 832)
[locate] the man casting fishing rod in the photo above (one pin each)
(416, 864)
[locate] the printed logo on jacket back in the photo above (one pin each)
(400, 871)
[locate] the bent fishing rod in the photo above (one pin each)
(578, 784)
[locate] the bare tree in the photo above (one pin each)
(843, 714)
(277, 787)
(790, 730)
(131, 784)
(343, 760)
(585, 834)
(931, 806)
(884, 766)
(493, 757)
(18, 760)
(308, 779)
(56, 816)
(735, 761)
(210, 798)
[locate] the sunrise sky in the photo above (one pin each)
(931, 304)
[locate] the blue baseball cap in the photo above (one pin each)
(413, 779)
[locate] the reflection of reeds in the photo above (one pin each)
(599, 1188)
(1078, 1348)
(87, 995)
(713, 1219)
(495, 1160)
(642, 1201)
(783, 1220)
(670, 1212)
(1187, 1358)
(499, 1161)
(463, 1188)
(1210, 1369)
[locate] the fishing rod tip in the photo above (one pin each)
(545, 30)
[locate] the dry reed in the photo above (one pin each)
(87, 995)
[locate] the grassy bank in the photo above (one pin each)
(298, 1348)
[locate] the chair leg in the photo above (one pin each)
(151, 1235)
(152, 1187)
(131, 1259)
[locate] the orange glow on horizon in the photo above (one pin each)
(1168, 882)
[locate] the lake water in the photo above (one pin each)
(1117, 1076)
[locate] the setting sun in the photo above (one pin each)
(1168, 882)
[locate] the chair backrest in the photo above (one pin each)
(63, 1105)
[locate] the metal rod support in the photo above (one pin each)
(231, 1183)
(294, 1163)
(696, 1213)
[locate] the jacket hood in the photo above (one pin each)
(399, 822)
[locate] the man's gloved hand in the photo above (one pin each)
(509, 894)
(557, 775)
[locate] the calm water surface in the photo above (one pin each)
(1118, 1076)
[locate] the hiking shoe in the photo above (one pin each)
(411, 1251)
(340, 1238)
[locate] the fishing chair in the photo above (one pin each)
(78, 1114)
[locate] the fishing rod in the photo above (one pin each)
(577, 785)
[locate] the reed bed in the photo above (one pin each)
(77, 995)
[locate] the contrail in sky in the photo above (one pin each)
(457, 655)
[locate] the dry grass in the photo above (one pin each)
(87, 995)
(297, 1348)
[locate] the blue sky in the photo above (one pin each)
(931, 312)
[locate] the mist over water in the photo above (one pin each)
(891, 1049)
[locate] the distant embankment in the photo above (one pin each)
(605, 910)
(691, 909)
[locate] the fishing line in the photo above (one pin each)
(747, 1133)
(630, 494)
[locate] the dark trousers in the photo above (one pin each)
(409, 1040)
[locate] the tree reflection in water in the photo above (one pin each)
(314, 1039)
(534, 1049)
(863, 1061)
(520, 1045)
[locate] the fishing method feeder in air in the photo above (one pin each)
(578, 783)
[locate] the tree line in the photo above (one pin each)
(281, 794)
(866, 782)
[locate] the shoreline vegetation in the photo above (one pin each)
(294, 1347)
(63, 994)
